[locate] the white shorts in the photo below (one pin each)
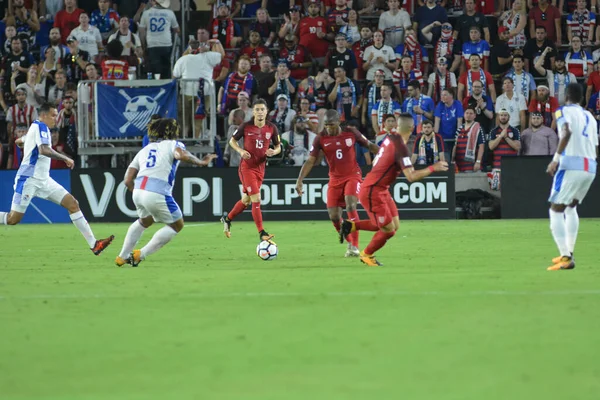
(162, 208)
(26, 188)
(569, 185)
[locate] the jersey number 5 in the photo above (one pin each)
(151, 159)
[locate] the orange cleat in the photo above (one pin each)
(564, 263)
(369, 260)
(102, 244)
(135, 258)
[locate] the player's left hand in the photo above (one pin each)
(271, 152)
(551, 170)
(299, 187)
(70, 163)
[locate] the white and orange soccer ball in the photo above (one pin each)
(267, 250)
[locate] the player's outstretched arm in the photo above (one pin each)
(304, 171)
(47, 151)
(413, 175)
(186, 156)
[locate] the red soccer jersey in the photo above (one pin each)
(307, 32)
(392, 158)
(67, 22)
(254, 54)
(358, 49)
(339, 152)
(297, 55)
(256, 142)
(115, 69)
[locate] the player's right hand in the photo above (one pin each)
(246, 155)
(299, 186)
(440, 166)
(70, 163)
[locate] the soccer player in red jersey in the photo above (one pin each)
(345, 175)
(393, 158)
(258, 135)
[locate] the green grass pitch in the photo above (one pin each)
(461, 310)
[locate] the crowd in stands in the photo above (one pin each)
(481, 78)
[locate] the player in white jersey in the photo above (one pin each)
(155, 31)
(574, 170)
(150, 177)
(33, 179)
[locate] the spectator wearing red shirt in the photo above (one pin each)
(225, 29)
(593, 83)
(548, 16)
(337, 17)
(114, 66)
(544, 104)
(67, 20)
(58, 146)
(15, 153)
(254, 50)
(366, 40)
(475, 73)
(485, 7)
(312, 32)
(297, 56)
(505, 140)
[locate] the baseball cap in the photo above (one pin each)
(536, 114)
(503, 111)
(295, 8)
(341, 35)
(446, 26)
(283, 61)
(282, 96)
(300, 118)
(71, 39)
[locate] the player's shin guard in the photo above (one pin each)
(366, 225)
(3, 218)
(81, 223)
(134, 233)
(572, 227)
(257, 216)
(353, 237)
(237, 209)
(161, 237)
(378, 241)
(558, 228)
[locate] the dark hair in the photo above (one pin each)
(471, 108)
(426, 122)
(518, 56)
(387, 85)
(163, 128)
(414, 84)
(387, 116)
(508, 78)
(45, 108)
(260, 101)
(474, 28)
(15, 38)
(405, 115)
(21, 125)
(476, 55)
(574, 93)
(542, 27)
(114, 48)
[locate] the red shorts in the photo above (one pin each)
(379, 204)
(338, 190)
(251, 180)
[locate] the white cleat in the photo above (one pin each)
(352, 251)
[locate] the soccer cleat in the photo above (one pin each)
(564, 263)
(556, 260)
(102, 244)
(345, 229)
(370, 260)
(135, 258)
(264, 236)
(119, 262)
(226, 225)
(352, 251)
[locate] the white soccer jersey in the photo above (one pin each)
(88, 40)
(34, 164)
(584, 131)
(158, 23)
(156, 165)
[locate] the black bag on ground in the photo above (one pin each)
(473, 202)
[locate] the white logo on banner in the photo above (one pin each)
(139, 109)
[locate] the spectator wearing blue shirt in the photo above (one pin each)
(418, 105)
(426, 15)
(448, 115)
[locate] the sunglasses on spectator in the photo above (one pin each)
(447, 27)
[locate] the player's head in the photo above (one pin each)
(331, 120)
(260, 110)
(406, 123)
(470, 114)
(47, 114)
(427, 128)
(163, 129)
(389, 121)
(574, 93)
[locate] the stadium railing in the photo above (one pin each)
(91, 143)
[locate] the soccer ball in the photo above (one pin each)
(141, 103)
(267, 250)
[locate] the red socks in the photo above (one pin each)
(236, 210)
(378, 241)
(365, 225)
(353, 216)
(257, 216)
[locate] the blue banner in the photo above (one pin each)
(125, 112)
(39, 211)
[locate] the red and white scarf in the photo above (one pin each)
(437, 88)
(411, 45)
(443, 47)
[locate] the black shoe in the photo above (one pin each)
(264, 236)
(345, 230)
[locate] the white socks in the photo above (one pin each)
(572, 227)
(80, 222)
(3, 218)
(161, 237)
(134, 233)
(559, 232)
